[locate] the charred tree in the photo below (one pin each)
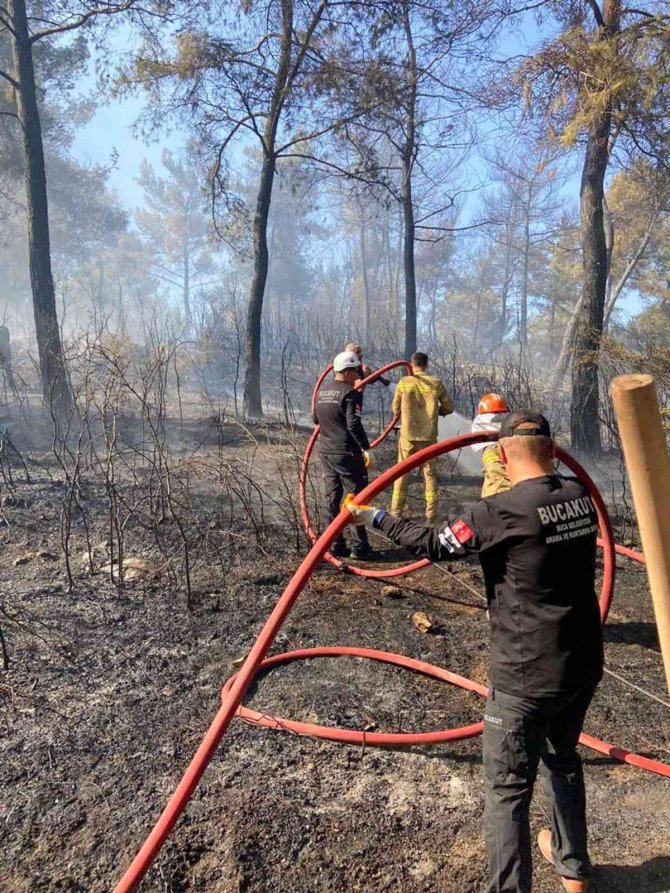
(22, 37)
(253, 407)
(252, 404)
(53, 372)
(408, 156)
(584, 408)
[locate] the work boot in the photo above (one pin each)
(339, 549)
(364, 553)
(570, 884)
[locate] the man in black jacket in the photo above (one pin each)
(537, 547)
(365, 370)
(343, 445)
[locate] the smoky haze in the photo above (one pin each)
(398, 213)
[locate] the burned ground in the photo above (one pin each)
(110, 689)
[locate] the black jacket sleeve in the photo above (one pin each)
(475, 529)
(385, 381)
(352, 410)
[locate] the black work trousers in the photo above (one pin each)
(345, 473)
(520, 735)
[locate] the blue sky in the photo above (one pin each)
(110, 133)
(110, 130)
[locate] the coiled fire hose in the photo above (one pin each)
(371, 573)
(235, 688)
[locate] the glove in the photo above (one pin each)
(369, 460)
(361, 514)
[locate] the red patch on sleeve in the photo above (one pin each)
(461, 531)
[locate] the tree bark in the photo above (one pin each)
(474, 352)
(432, 322)
(392, 296)
(408, 261)
(565, 355)
(506, 284)
(523, 308)
(584, 407)
(252, 405)
(53, 373)
(615, 289)
(187, 288)
(398, 266)
(408, 157)
(366, 283)
(612, 292)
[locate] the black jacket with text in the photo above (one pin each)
(338, 412)
(537, 547)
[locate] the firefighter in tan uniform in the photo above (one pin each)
(419, 399)
(490, 412)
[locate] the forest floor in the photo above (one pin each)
(109, 691)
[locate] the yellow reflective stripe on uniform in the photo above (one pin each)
(489, 456)
(414, 385)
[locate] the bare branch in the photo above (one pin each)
(6, 20)
(597, 14)
(9, 79)
(73, 24)
(347, 173)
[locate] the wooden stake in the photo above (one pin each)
(645, 452)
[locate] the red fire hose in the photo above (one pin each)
(304, 473)
(633, 554)
(413, 566)
(406, 739)
(371, 573)
(232, 697)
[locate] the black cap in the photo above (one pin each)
(526, 417)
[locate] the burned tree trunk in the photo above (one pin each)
(252, 404)
(55, 384)
(525, 259)
(584, 418)
(408, 259)
(186, 284)
(366, 282)
(408, 158)
(253, 407)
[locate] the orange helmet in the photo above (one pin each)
(492, 403)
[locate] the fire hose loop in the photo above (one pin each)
(304, 474)
(404, 739)
(353, 736)
(606, 540)
(235, 692)
(407, 739)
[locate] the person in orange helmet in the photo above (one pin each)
(490, 412)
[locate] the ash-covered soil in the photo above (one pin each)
(109, 693)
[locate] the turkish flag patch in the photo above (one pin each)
(461, 531)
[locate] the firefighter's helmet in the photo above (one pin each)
(492, 403)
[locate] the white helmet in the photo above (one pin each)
(345, 361)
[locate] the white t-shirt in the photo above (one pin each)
(486, 421)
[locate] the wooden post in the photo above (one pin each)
(645, 452)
